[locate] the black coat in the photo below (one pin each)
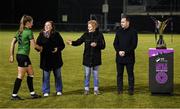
(92, 55)
(126, 40)
(49, 60)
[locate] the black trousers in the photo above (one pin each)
(120, 71)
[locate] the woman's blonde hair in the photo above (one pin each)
(93, 23)
(24, 20)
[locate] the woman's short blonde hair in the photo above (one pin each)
(93, 23)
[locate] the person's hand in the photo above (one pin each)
(93, 44)
(121, 53)
(38, 48)
(41, 49)
(11, 59)
(69, 42)
(55, 50)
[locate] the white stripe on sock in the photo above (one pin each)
(32, 93)
(14, 95)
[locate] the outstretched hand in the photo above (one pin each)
(69, 42)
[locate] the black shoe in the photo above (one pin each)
(120, 92)
(131, 92)
(16, 98)
(34, 96)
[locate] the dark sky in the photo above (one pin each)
(12, 10)
(42, 10)
(78, 11)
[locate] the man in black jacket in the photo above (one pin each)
(125, 43)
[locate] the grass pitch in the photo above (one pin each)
(73, 76)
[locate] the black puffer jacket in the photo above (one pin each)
(92, 55)
(49, 60)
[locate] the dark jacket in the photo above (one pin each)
(49, 60)
(92, 55)
(126, 40)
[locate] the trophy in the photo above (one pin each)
(159, 28)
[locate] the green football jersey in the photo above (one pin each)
(24, 41)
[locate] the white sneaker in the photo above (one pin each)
(59, 93)
(97, 92)
(46, 94)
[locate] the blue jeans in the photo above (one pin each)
(87, 72)
(46, 80)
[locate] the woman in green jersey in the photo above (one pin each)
(25, 38)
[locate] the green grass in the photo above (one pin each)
(73, 76)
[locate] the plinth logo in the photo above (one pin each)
(161, 75)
